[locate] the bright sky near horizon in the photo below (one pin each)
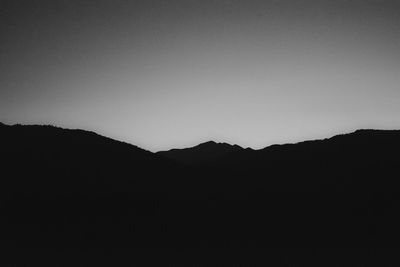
(169, 74)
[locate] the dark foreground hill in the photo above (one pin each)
(51, 161)
(71, 197)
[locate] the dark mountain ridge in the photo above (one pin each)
(87, 161)
(64, 189)
(82, 161)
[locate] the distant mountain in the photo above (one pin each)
(204, 153)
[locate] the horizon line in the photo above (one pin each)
(200, 142)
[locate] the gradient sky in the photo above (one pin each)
(162, 74)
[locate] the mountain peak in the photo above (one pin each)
(206, 152)
(220, 145)
(208, 143)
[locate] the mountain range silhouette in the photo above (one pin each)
(74, 190)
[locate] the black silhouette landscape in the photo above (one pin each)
(252, 133)
(73, 192)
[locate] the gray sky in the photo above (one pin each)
(162, 74)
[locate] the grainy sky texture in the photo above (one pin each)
(162, 74)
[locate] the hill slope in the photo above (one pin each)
(53, 160)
